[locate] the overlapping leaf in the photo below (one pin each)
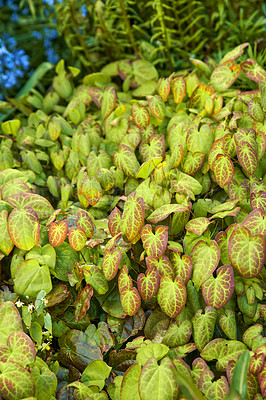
(247, 157)
(6, 244)
(111, 262)
(130, 300)
(108, 102)
(58, 232)
(218, 291)
(205, 259)
(203, 326)
(172, 295)
(154, 244)
(84, 222)
(179, 87)
(148, 284)
(140, 115)
(24, 227)
(163, 212)
(126, 159)
(91, 190)
(133, 217)
(246, 252)
(40, 204)
(182, 266)
(223, 169)
(77, 238)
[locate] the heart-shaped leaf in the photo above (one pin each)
(91, 190)
(95, 277)
(20, 349)
(223, 169)
(156, 148)
(111, 262)
(253, 70)
(40, 205)
(77, 238)
(156, 106)
(140, 115)
(133, 217)
(255, 222)
(158, 381)
(218, 291)
(84, 222)
(246, 252)
(164, 88)
(114, 221)
(203, 326)
(162, 212)
(10, 321)
(223, 351)
(198, 225)
(148, 284)
(13, 187)
(83, 302)
(130, 383)
(179, 87)
(205, 259)
(182, 266)
(247, 157)
(193, 162)
(154, 244)
(172, 295)
(108, 102)
(31, 278)
(156, 350)
(15, 382)
(130, 300)
(95, 374)
(227, 322)
(224, 76)
(126, 159)
(178, 334)
(124, 280)
(6, 244)
(162, 264)
(58, 232)
(24, 228)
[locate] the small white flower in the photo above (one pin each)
(19, 303)
(31, 307)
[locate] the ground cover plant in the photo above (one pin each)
(132, 235)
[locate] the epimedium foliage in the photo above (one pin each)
(132, 235)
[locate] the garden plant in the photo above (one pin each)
(132, 228)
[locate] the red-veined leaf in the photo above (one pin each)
(255, 222)
(162, 264)
(6, 244)
(148, 284)
(224, 76)
(172, 295)
(247, 157)
(24, 227)
(156, 148)
(114, 221)
(91, 190)
(218, 291)
(84, 222)
(130, 300)
(154, 244)
(133, 217)
(182, 266)
(58, 232)
(108, 102)
(126, 159)
(246, 252)
(253, 70)
(111, 262)
(223, 169)
(164, 88)
(162, 212)
(83, 302)
(205, 258)
(156, 106)
(40, 205)
(198, 225)
(124, 280)
(77, 238)
(140, 115)
(179, 88)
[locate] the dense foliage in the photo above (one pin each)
(132, 219)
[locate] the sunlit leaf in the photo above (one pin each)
(148, 284)
(130, 300)
(77, 238)
(58, 232)
(133, 217)
(24, 227)
(218, 291)
(111, 262)
(172, 295)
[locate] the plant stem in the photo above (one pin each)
(127, 24)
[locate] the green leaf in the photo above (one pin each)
(255, 111)
(223, 351)
(158, 381)
(218, 291)
(247, 157)
(253, 70)
(95, 277)
(198, 225)
(133, 217)
(147, 167)
(58, 232)
(205, 259)
(227, 322)
(24, 228)
(238, 385)
(188, 387)
(224, 76)
(10, 321)
(148, 284)
(15, 382)
(40, 205)
(223, 169)
(19, 349)
(140, 115)
(126, 159)
(95, 374)
(44, 379)
(30, 278)
(6, 244)
(156, 350)
(91, 190)
(182, 265)
(12, 187)
(130, 300)
(155, 148)
(84, 222)
(78, 349)
(156, 106)
(179, 87)
(164, 88)
(246, 252)
(83, 302)
(77, 238)
(162, 212)
(11, 127)
(203, 326)
(129, 387)
(154, 244)
(178, 333)
(111, 262)
(172, 295)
